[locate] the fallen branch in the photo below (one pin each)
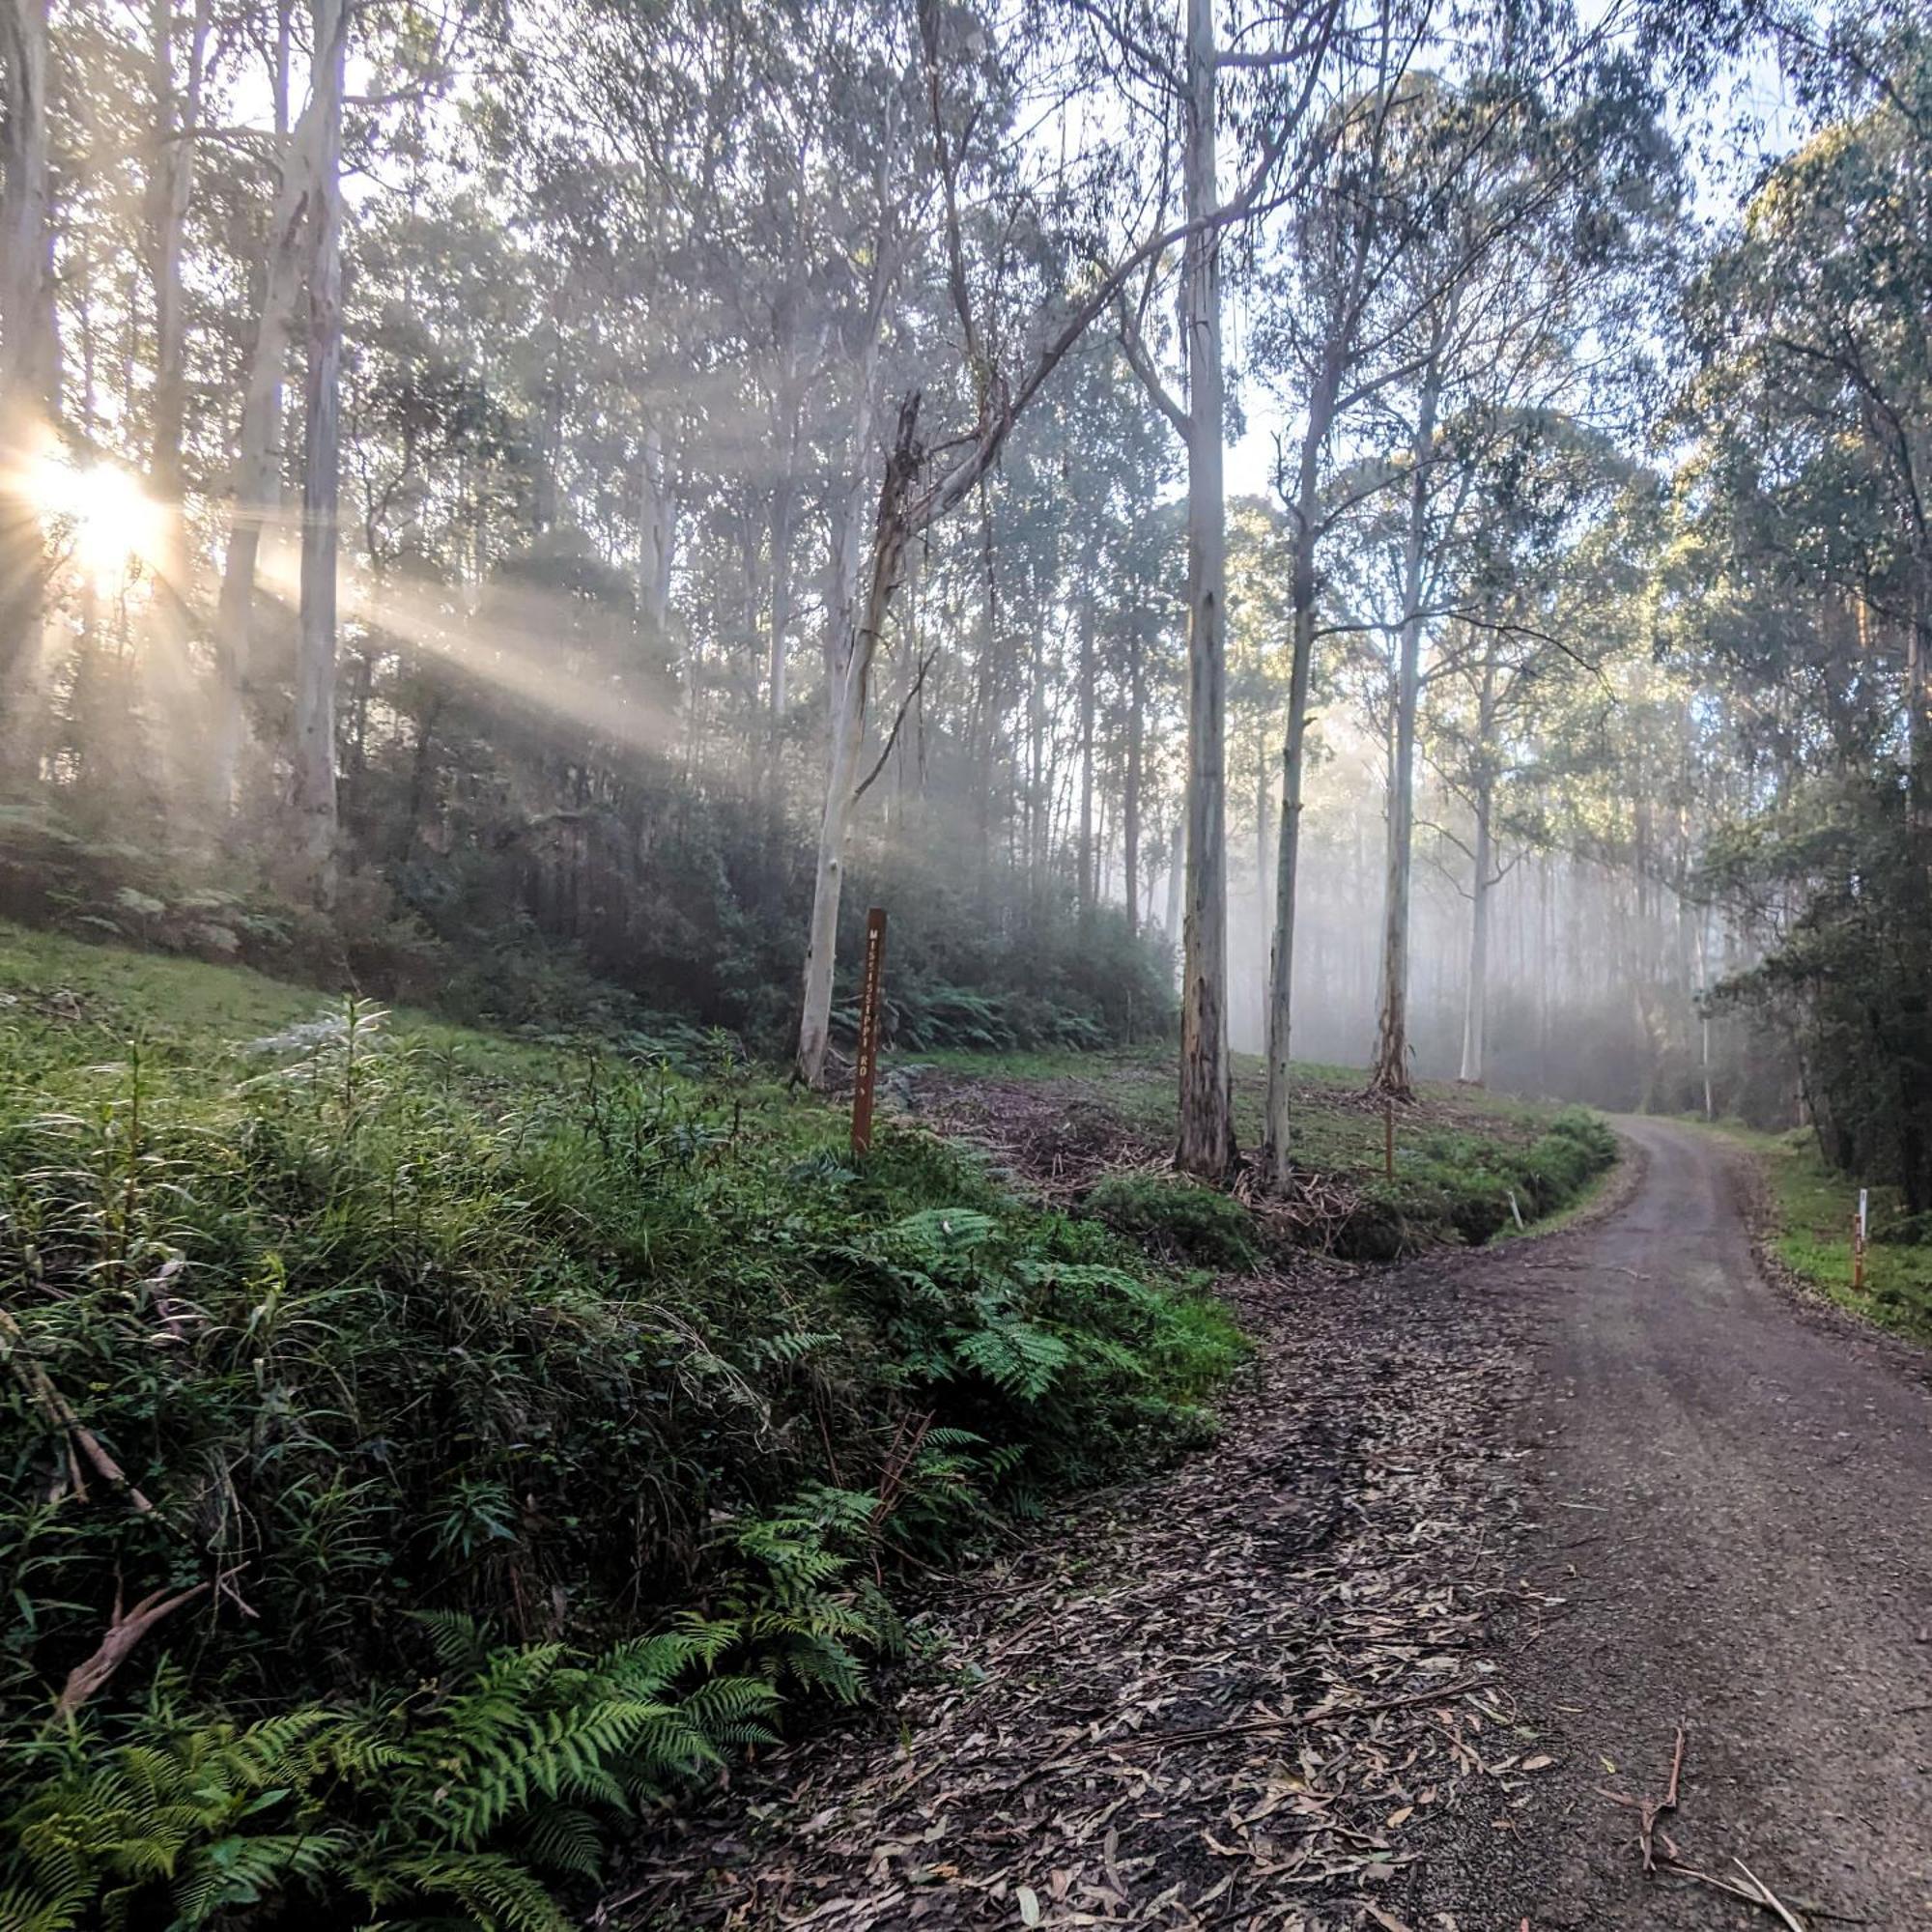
(1753, 1891)
(125, 1630)
(56, 1408)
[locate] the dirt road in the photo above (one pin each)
(1479, 1534)
(1736, 1495)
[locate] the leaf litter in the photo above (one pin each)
(1253, 1692)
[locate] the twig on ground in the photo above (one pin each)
(60, 1412)
(1754, 1893)
(1650, 1811)
(1770, 1898)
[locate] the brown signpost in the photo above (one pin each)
(865, 1073)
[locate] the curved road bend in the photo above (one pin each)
(1733, 1493)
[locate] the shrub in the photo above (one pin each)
(567, 1347)
(1464, 1191)
(1376, 1227)
(1179, 1217)
(1908, 1230)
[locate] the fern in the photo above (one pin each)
(1020, 1359)
(396, 1806)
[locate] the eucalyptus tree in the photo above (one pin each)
(971, 86)
(1804, 591)
(29, 348)
(1815, 321)
(1558, 564)
(1529, 210)
(1282, 58)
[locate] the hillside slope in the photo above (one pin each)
(425, 1447)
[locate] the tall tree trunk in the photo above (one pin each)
(1704, 1008)
(1176, 865)
(314, 754)
(1277, 1135)
(257, 474)
(29, 358)
(1086, 889)
(657, 547)
(776, 684)
(1476, 986)
(178, 119)
(1130, 800)
(1265, 782)
(1476, 989)
(178, 115)
(863, 625)
(1205, 1144)
(986, 700)
(1390, 1072)
(851, 636)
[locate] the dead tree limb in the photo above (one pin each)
(125, 1630)
(56, 1408)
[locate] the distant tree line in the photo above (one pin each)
(489, 481)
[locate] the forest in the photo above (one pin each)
(1353, 576)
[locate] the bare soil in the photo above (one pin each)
(1480, 1535)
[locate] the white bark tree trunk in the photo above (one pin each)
(178, 118)
(1476, 988)
(1277, 1148)
(313, 779)
(257, 478)
(1088, 884)
(656, 523)
(1176, 865)
(178, 114)
(1205, 1144)
(1131, 796)
(1390, 1072)
(28, 355)
(863, 628)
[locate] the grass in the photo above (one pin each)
(455, 1370)
(1460, 1153)
(1572, 1211)
(1813, 1205)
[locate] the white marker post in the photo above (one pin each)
(1858, 1241)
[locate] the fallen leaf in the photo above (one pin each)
(1029, 1902)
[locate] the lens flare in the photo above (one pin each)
(110, 520)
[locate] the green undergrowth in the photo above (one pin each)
(499, 1435)
(1468, 1187)
(1468, 1165)
(1813, 1205)
(1193, 1222)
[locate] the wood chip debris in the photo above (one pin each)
(1247, 1693)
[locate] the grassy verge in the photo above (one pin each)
(1813, 1205)
(418, 1449)
(1467, 1164)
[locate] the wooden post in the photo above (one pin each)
(1388, 1137)
(865, 1073)
(1858, 1241)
